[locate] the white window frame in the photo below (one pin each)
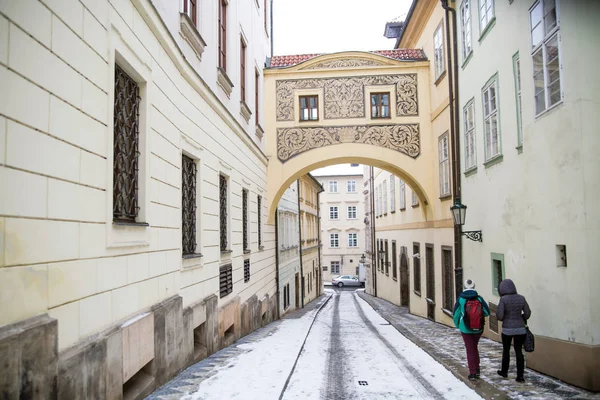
(469, 127)
(491, 115)
(353, 239)
(444, 163)
(351, 186)
(351, 212)
(392, 193)
(402, 195)
(385, 203)
(438, 51)
(542, 48)
(486, 14)
(335, 267)
(333, 187)
(334, 240)
(334, 212)
(415, 199)
(466, 29)
(518, 99)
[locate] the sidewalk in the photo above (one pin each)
(445, 345)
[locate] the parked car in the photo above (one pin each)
(345, 280)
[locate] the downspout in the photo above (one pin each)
(271, 26)
(300, 240)
(373, 249)
(319, 236)
(454, 129)
(277, 260)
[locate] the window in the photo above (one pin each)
(545, 41)
(334, 240)
(469, 118)
(259, 219)
(417, 267)
(247, 270)
(377, 201)
(486, 14)
(309, 108)
(438, 51)
(243, 69)
(325, 267)
(394, 263)
(351, 212)
(223, 225)
(335, 267)
(497, 271)
(517, 73)
(430, 272)
(188, 205)
(333, 187)
(256, 86)
(245, 220)
(333, 212)
(490, 120)
(415, 199)
(380, 105)
(353, 240)
(444, 165)
(189, 8)
(225, 280)
(465, 21)
(387, 259)
(448, 278)
(351, 186)
(392, 193)
(402, 195)
(265, 14)
(126, 148)
(286, 302)
(223, 34)
(384, 191)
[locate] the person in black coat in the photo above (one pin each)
(513, 311)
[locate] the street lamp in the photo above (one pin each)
(459, 213)
(362, 259)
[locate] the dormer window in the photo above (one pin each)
(380, 105)
(309, 108)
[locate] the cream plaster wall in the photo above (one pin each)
(289, 256)
(532, 201)
(59, 250)
(310, 192)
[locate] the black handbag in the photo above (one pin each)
(529, 344)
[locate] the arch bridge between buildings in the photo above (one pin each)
(346, 129)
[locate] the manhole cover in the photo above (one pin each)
(363, 383)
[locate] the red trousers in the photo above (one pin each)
(471, 342)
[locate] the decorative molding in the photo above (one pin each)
(190, 33)
(192, 142)
(223, 81)
(259, 131)
(245, 182)
(345, 97)
(225, 165)
(403, 138)
(245, 110)
(344, 63)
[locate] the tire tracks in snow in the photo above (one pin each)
(336, 359)
(421, 385)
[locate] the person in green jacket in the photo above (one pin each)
(470, 336)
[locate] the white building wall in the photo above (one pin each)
(288, 246)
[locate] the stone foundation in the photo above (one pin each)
(128, 360)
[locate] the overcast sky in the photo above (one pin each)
(329, 26)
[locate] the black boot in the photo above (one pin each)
(478, 372)
(520, 379)
(502, 374)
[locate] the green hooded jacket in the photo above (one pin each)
(459, 310)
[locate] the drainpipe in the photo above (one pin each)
(271, 27)
(277, 260)
(319, 236)
(372, 212)
(300, 240)
(454, 132)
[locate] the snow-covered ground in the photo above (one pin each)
(347, 343)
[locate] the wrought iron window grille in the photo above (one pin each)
(245, 220)
(225, 280)
(247, 270)
(126, 148)
(259, 209)
(223, 212)
(188, 202)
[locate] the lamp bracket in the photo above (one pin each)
(475, 236)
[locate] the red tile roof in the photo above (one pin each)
(397, 54)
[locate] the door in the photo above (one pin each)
(297, 291)
(404, 279)
(430, 275)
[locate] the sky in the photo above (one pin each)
(329, 26)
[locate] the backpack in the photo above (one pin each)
(473, 317)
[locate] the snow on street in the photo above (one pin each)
(349, 352)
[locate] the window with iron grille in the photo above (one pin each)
(223, 34)
(417, 267)
(309, 108)
(448, 278)
(387, 258)
(245, 220)
(335, 267)
(188, 205)
(285, 304)
(243, 69)
(225, 280)
(223, 225)
(430, 272)
(126, 147)
(247, 270)
(189, 8)
(380, 105)
(394, 263)
(259, 211)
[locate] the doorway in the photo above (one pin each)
(297, 287)
(404, 279)
(430, 275)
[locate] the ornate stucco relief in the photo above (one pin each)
(403, 138)
(345, 97)
(344, 63)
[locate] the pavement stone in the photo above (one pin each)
(445, 345)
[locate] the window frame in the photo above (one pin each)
(349, 215)
(402, 194)
(224, 222)
(334, 240)
(193, 212)
(333, 184)
(444, 164)
(384, 205)
(470, 136)
(308, 99)
(353, 239)
(439, 52)
(334, 267)
(379, 106)
(466, 34)
(243, 46)
(351, 183)
(518, 98)
(392, 193)
(499, 258)
(245, 222)
(492, 82)
(417, 268)
(334, 213)
(190, 8)
(483, 26)
(222, 37)
(447, 280)
(256, 96)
